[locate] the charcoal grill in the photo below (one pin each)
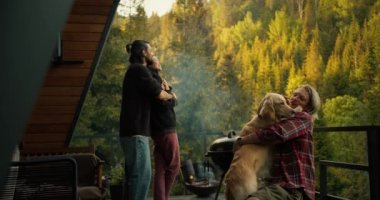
(221, 154)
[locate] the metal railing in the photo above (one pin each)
(373, 146)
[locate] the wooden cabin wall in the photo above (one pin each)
(62, 93)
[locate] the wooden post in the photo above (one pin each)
(323, 180)
(373, 141)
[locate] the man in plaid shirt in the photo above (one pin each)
(292, 170)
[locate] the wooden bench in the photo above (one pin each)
(47, 178)
(89, 167)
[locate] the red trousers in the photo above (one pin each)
(166, 164)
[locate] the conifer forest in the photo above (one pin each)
(222, 56)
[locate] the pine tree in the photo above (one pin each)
(313, 65)
(138, 22)
(296, 78)
(309, 21)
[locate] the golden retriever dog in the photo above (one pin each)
(251, 161)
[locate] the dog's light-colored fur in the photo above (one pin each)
(251, 161)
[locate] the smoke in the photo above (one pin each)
(203, 105)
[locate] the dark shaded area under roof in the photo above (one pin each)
(28, 38)
(36, 92)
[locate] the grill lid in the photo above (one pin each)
(221, 151)
(224, 144)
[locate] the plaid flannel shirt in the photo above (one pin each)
(293, 158)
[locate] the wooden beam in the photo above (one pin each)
(84, 28)
(48, 110)
(65, 72)
(65, 81)
(94, 3)
(61, 91)
(81, 37)
(91, 10)
(86, 64)
(78, 55)
(47, 128)
(48, 145)
(87, 19)
(74, 45)
(45, 138)
(51, 119)
(57, 100)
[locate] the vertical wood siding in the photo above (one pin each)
(64, 84)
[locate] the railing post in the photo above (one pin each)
(373, 141)
(323, 180)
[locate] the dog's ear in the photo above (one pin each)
(266, 109)
(287, 101)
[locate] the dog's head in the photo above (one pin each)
(273, 107)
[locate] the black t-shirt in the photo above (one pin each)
(163, 118)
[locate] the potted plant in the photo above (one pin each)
(116, 182)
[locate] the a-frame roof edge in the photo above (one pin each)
(94, 65)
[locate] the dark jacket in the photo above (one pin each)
(139, 89)
(163, 118)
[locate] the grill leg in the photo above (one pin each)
(220, 186)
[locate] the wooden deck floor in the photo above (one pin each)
(194, 197)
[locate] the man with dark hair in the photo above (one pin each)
(139, 89)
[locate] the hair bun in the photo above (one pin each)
(128, 47)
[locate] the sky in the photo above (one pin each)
(159, 6)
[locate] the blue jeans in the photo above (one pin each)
(137, 167)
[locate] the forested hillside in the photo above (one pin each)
(223, 56)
